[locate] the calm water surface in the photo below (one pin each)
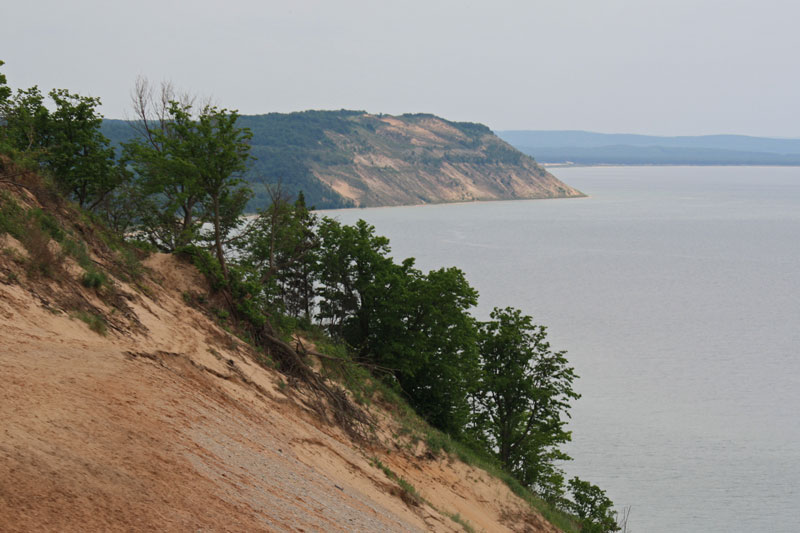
(676, 292)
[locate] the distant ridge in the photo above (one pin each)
(356, 159)
(584, 147)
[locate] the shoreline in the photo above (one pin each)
(248, 216)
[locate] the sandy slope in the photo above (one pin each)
(171, 426)
(411, 160)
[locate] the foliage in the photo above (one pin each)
(414, 326)
(470, 129)
(77, 250)
(47, 223)
(280, 247)
(242, 290)
(93, 279)
(34, 229)
(78, 154)
(473, 129)
(441, 344)
(591, 505)
(12, 216)
(5, 90)
(41, 258)
(409, 493)
(338, 365)
(187, 173)
(66, 142)
(462, 522)
(120, 209)
(500, 152)
(285, 146)
(522, 398)
(352, 259)
(95, 322)
(24, 121)
(213, 151)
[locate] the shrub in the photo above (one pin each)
(95, 322)
(94, 279)
(11, 216)
(77, 250)
(463, 523)
(592, 506)
(410, 494)
(409, 490)
(47, 223)
(130, 262)
(41, 259)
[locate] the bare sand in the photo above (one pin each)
(172, 426)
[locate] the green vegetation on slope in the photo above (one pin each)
(284, 147)
(493, 388)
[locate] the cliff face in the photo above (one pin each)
(125, 406)
(355, 159)
(417, 159)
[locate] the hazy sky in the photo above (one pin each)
(662, 67)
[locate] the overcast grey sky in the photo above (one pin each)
(662, 67)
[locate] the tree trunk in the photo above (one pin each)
(218, 240)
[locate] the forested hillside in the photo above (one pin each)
(355, 159)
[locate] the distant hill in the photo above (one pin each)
(585, 147)
(355, 159)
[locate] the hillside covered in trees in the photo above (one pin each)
(355, 159)
(289, 284)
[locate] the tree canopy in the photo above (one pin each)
(523, 397)
(188, 173)
(65, 142)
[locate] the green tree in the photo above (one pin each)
(67, 141)
(522, 399)
(25, 121)
(592, 506)
(352, 264)
(414, 326)
(280, 245)
(116, 208)
(418, 326)
(5, 91)
(169, 207)
(298, 277)
(215, 151)
(78, 154)
(441, 355)
(5, 94)
(189, 169)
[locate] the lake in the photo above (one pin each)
(676, 292)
